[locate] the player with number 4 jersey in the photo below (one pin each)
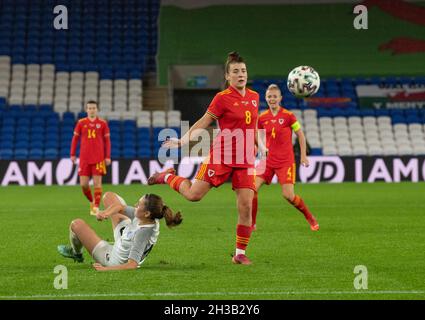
(275, 141)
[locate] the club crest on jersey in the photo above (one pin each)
(254, 103)
(211, 172)
(98, 125)
(281, 121)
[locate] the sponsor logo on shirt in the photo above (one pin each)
(273, 121)
(98, 126)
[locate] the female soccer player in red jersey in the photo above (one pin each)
(278, 124)
(231, 154)
(95, 153)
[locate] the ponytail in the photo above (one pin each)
(159, 210)
(171, 219)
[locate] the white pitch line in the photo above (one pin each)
(194, 294)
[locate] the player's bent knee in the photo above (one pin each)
(288, 195)
(194, 197)
(107, 197)
(77, 224)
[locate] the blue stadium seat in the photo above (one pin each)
(115, 153)
(70, 116)
(22, 144)
(144, 153)
(6, 144)
(7, 129)
(6, 154)
(413, 119)
(395, 119)
(82, 115)
(51, 144)
(315, 152)
(51, 153)
(21, 154)
(382, 112)
(35, 154)
(129, 153)
(367, 112)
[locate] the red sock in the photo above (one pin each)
(300, 205)
(254, 208)
(243, 233)
(87, 193)
(175, 181)
(97, 196)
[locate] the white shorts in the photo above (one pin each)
(102, 252)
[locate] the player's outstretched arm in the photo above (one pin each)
(129, 265)
(202, 123)
(116, 208)
(303, 148)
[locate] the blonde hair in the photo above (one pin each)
(274, 86)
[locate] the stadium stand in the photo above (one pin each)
(349, 129)
(47, 75)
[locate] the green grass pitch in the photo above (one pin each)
(380, 226)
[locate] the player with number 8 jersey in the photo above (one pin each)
(232, 153)
(95, 153)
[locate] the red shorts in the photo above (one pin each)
(217, 174)
(285, 174)
(89, 170)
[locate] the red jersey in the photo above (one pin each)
(237, 119)
(95, 142)
(279, 136)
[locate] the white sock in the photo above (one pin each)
(166, 176)
(76, 244)
(240, 251)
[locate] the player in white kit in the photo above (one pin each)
(136, 230)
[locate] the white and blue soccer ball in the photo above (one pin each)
(303, 81)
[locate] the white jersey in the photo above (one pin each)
(133, 241)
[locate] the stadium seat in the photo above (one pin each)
(6, 153)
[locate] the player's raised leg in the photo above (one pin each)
(80, 235)
(112, 201)
(289, 194)
(191, 191)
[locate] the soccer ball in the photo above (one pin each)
(303, 81)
